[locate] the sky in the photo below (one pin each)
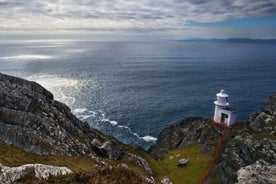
(137, 20)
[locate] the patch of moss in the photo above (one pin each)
(262, 135)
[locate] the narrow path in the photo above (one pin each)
(212, 168)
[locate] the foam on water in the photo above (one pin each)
(146, 138)
(79, 111)
(149, 138)
(27, 57)
(98, 119)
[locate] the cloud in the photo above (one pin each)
(123, 15)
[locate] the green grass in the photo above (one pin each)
(13, 156)
(82, 167)
(191, 173)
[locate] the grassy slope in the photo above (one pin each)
(12, 156)
(191, 173)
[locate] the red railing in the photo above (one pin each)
(216, 156)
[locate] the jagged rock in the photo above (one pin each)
(141, 163)
(269, 105)
(11, 174)
(243, 151)
(250, 143)
(150, 180)
(32, 120)
(111, 150)
(166, 180)
(261, 172)
(264, 121)
(185, 132)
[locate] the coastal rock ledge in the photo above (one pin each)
(32, 120)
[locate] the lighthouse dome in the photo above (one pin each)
(222, 94)
(221, 98)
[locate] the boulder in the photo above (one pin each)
(11, 174)
(183, 161)
(260, 172)
(166, 180)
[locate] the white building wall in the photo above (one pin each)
(228, 121)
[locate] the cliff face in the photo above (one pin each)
(184, 132)
(31, 119)
(252, 143)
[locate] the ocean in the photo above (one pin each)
(134, 89)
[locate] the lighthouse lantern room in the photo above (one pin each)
(223, 113)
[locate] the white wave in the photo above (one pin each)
(126, 127)
(114, 122)
(79, 111)
(146, 138)
(27, 57)
(84, 117)
(149, 138)
(84, 113)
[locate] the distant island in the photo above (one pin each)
(232, 40)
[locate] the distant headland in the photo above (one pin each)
(232, 40)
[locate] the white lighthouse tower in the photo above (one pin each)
(223, 113)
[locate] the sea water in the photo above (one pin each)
(133, 90)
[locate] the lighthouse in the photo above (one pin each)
(223, 113)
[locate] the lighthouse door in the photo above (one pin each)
(224, 118)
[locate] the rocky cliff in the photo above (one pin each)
(249, 145)
(31, 119)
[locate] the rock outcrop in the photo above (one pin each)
(250, 143)
(31, 119)
(11, 174)
(261, 172)
(185, 132)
